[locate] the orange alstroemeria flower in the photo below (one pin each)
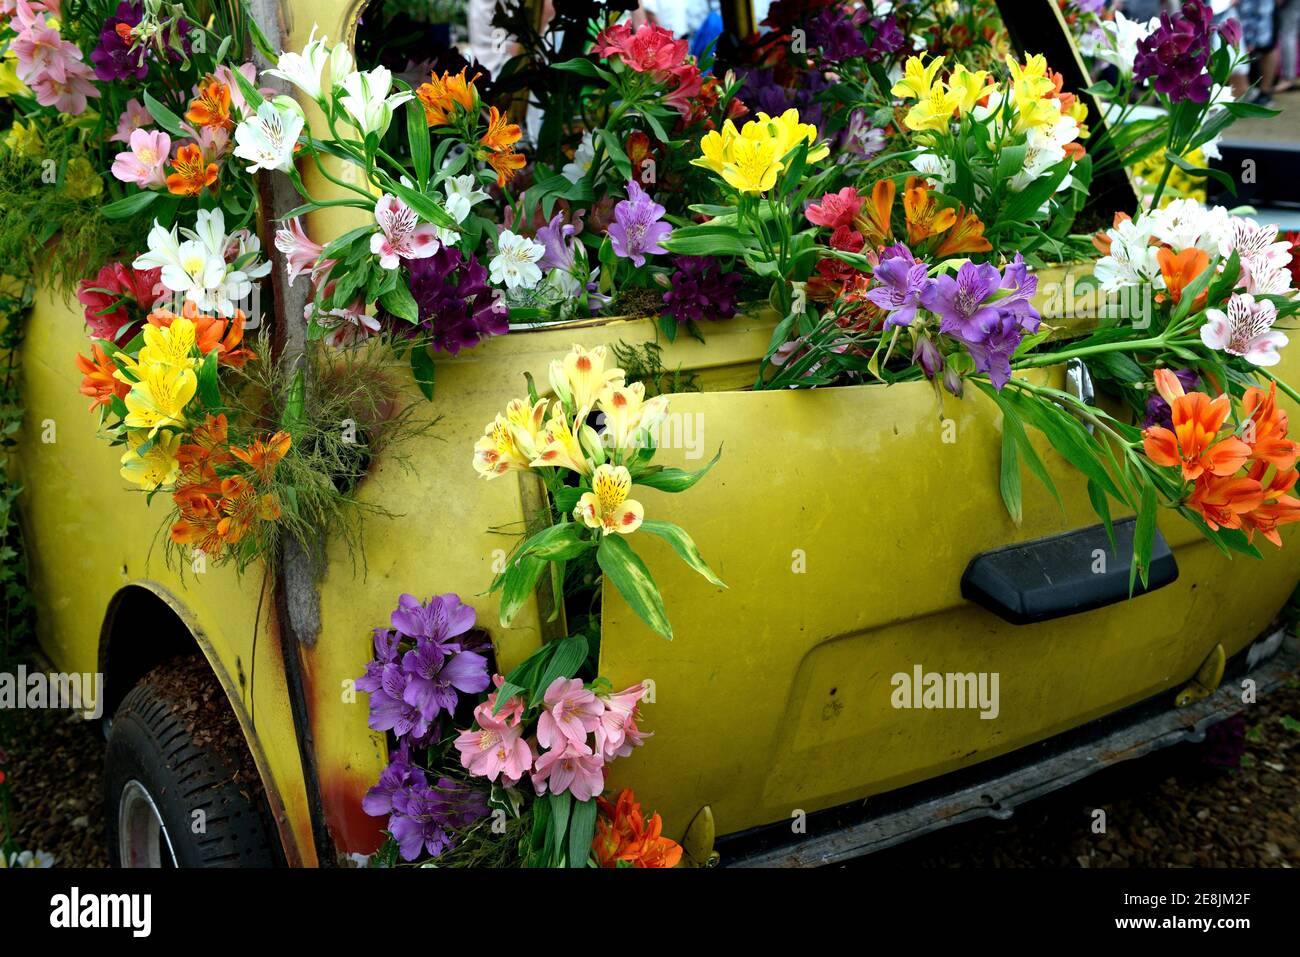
(1223, 501)
(199, 457)
(210, 332)
(200, 517)
(966, 236)
(263, 457)
(1278, 507)
(874, 219)
(624, 836)
(1193, 444)
(505, 163)
(1181, 269)
(441, 95)
(97, 377)
(924, 217)
(1266, 428)
(211, 108)
(192, 174)
(1101, 240)
(501, 134)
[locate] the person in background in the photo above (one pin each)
(1287, 29)
(1256, 18)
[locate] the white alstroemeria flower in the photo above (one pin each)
(939, 171)
(367, 100)
(1118, 44)
(1256, 246)
(401, 234)
(1185, 223)
(1045, 148)
(515, 264)
(267, 139)
(196, 271)
(462, 194)
(1132, 260)
(340, 64)
(303, 70)
(1246, 329)
(210, 230)
(225, 296)
(163, 248)
(583, 157)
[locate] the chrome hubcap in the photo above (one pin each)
(141, 834)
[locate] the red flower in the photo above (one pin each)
(118, 299)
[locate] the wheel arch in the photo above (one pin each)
(123, 663)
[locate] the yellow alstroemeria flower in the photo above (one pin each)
(933, 111)
(527, 424)
(1034, 68)
(1079, 112)
(560, 447)
(788, 133)
(917, 78)
(627, 411)
(715, 148)
(580, 377)
(170, 345)
(498, 452)
(157, 466)
(754, 165)
(607, 506)
(969, 87)
(159, 398)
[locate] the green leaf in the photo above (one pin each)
(567, 656)
(1101, 505)
(401, 303)
(417, 135)
(585, 68)
(425, 206)
(557, 543)
(706, 240)
(1144, 534)
(1024, 206)
(518, 582)
(164, 117)
(1191, 169)
(582, 830)
(674, 480)
(128, 206)
(561, 804)
(628, 573)
(424, 370)
(1009, 477)
(683, 545)
(209, 392)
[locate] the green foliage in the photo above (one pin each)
(644, 363)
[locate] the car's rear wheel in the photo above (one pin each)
(180, 787)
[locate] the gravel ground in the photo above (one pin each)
(1178, 808)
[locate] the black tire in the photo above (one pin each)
(176, 737)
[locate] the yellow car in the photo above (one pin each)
(893, 654)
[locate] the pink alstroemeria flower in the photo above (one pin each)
(496, 749)
(402, 236)
(69, 95)
(572, 712)
(301, 254)
(136, 116)
(835, 209)
(572, 768)
(612, 738)
(145, 162)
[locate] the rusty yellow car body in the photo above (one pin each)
(841, 519)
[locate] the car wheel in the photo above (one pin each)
(181, 789)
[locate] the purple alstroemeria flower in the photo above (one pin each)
(638, 227)
(701, 290)
(889, 39)
(1175, 54)
(902, 280)
(426, 818)
(836, 36)
(928, 356)
(399, 774)
(993, 349)
(440, 618)
(962, 303)
(388, 709)
(113, 57)
(436, 672)
(555, 237)
(458, 307)
(1023, 286)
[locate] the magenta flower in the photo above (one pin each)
(572, 712)
(701, 290)
(114, 57)
(638, 227)
(835, 209)
(457, 306)
(1175, 54)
